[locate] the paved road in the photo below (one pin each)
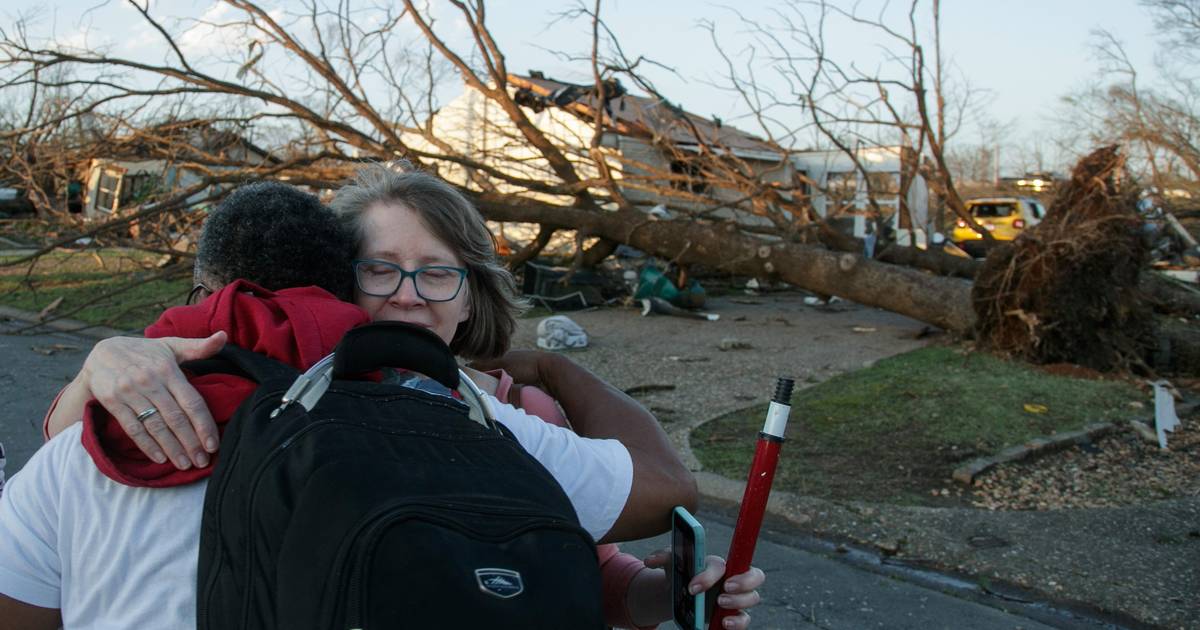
(810, 585)
(32, 370)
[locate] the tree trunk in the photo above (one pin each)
(943, 302)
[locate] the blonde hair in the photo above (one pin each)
(454, 220)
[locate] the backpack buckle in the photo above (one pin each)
(308, 387)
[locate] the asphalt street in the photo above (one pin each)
(811, 583)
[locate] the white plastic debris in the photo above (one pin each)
(658, 213)
(559, 332)
(660, 306)
(1165, 419)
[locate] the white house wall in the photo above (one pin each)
(474, 126)
(819, 165)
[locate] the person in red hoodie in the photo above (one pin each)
(95, 534)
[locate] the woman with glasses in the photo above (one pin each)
(426, 257)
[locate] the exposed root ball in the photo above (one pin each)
(1067, 289)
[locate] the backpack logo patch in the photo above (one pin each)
(501, 583)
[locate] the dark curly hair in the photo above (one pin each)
(276, 236)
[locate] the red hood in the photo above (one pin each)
(295, 326)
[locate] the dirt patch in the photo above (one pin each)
(1073, 371)
(785, 337)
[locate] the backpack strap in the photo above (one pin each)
(397, 345)
(242, 362)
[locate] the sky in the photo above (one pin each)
(1023, 55)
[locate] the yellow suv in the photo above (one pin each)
(1004, 217)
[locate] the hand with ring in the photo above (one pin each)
(139, 382)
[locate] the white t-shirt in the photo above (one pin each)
(114, 556)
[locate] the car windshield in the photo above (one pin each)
(992, 209)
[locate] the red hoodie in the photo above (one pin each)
(295, 326)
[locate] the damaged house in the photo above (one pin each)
(666, 160)
(164, 157)
(654, 147)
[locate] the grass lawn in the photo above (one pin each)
(895, 431)
(119, 288)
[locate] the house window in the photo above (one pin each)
(106, 190)
(135, 188)
(692, 179)
(884, 183)
(885, 188)
(841, 188)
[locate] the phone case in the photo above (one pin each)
(698, 555)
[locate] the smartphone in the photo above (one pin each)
(687, 559)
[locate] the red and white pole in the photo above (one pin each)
(758, 490)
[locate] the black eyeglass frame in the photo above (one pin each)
(405, 274)
(195, 293)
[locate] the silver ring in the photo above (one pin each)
(141, 417)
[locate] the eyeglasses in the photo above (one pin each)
(434, 283)
(197, 294)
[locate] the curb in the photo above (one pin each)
(72, 326)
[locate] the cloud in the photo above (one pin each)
(211, 33)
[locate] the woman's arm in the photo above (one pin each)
(130, 375)
(598, 410)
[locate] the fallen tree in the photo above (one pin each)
(938, 300)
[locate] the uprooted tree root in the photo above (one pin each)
(1067, 289)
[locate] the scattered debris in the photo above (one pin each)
(863, 329)
(746, 301)
(1165, 420)
(50, 308)
(689, 359)
(561, 289)
(1180, 231)
(653, 283)
(53, 349)
(662, 307)
(986, 541)
(781, 319)
(890, 547)
(730, 343)
(1144, 431)
(559, 332)
(1118, 469)
(648, 388)
(1036, 408)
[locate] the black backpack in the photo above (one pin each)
(383, 506)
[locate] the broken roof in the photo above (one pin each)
(195, 139)
(638, 115)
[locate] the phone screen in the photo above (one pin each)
(687, 553)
